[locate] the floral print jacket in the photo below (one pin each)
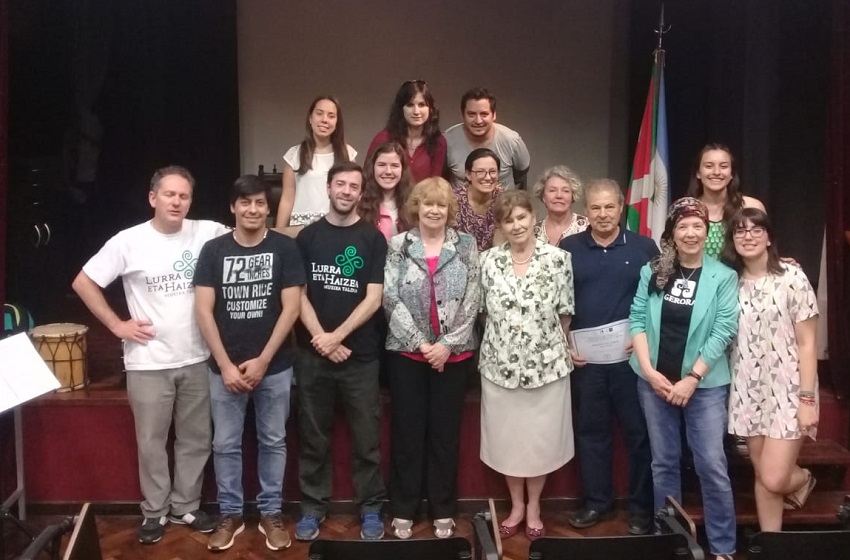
(524, 345)
(408, 287)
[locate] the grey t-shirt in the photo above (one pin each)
(507, 143)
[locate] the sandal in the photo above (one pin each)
(444, 528)
(402, 528)
(797, 499)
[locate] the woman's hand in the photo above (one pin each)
(437, 354)
(807, 417)
(682, 391)
(660, 384)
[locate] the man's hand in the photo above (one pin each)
(578, 359)
(137, 330)
(254, 370)
(326, 343)
(231, 376)
(339, 355)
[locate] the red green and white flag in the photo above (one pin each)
(648, 195)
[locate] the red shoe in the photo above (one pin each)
(507, 531)
(534, 534)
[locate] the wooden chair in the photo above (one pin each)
(455, 548)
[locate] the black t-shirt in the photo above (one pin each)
(248, 282)
(676, 310)
(340, 263)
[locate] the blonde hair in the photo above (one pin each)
(561, 172)
(432, 189)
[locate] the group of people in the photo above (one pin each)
(394, 266)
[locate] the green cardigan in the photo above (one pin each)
(714, 321)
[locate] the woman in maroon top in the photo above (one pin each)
(414, 123)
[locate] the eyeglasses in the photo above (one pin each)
(481, 173)
(756, 232)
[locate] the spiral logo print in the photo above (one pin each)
(186, 264)
(349, 261)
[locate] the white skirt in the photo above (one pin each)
(526, 432)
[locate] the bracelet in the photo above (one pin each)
(808, 402)
(695, 375)
(806, 394)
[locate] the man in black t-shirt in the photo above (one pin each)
(247, 299)
(338, 356)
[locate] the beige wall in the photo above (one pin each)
(556, 67)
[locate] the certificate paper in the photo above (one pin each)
(605, 344)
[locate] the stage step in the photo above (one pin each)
(821, 509)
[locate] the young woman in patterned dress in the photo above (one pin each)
(773, 400)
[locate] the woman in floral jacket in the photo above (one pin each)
(526, 418)
(431, 299)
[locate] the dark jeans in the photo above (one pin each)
(320, 381)
(600, 390)
(426, 416)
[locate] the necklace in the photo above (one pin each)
(526, 261)
(689, 275)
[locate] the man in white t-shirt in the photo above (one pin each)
(164, 353)
(479, 129)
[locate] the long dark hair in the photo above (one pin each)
(756, 217)
(308, 145)
(396, 123)
(370, 202)
(734, 198)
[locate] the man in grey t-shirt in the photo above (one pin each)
(479, 129)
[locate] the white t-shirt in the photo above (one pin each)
(311, 188)
(507, 143)
(157, 270)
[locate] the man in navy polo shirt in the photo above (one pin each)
(606, 262)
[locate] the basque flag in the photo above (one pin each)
(648, 194)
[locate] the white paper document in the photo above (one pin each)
(23, 373)
(605, 344)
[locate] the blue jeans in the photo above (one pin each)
(705, 427)
(271, 410)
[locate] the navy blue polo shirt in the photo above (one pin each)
(606, 278)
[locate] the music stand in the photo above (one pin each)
(24, 376)
(83, 545)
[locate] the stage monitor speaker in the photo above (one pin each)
(649, 547)
(456, 548)
(800, 545)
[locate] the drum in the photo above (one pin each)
(62, 346)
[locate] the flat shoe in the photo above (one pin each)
(402, 528)
(444, 528)
(507, 531)
(533, 534)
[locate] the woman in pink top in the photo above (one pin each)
(386, 184)
(414, 123)
(431, 300)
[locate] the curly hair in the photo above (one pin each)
(561, 172)
(370, 202)
(396, 123)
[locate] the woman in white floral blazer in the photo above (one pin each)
(431, 299)
(526, 418)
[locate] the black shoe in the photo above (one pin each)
(152, 529)
(197, 520)
(640, 524)
(584, 518)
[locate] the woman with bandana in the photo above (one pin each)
(684, 315)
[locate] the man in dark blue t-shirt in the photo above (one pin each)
(338, 353)
(247, 299)
(606, 266)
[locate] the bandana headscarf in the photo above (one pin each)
(664, 264)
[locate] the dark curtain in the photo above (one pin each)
(838, 199)
(753, 75)
(4, 140)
